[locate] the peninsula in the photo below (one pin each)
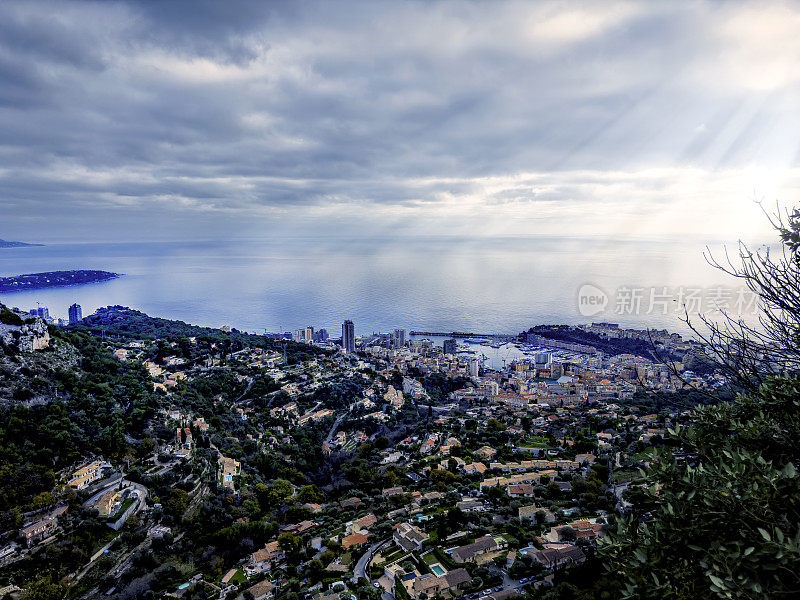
(7, 244)
(36, 281)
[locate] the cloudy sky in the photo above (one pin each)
(170, 120)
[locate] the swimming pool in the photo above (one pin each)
(438, 570)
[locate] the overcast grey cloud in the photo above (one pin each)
(196, 119)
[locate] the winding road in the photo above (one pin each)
(360, 569)
(334, 427)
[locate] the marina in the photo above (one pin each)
(497, 354)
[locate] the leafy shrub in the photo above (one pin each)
(8, 317)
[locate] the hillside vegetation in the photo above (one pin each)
(127, 323)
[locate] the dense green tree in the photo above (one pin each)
(730, 525)
(290, 544)
(44, 589)
(310, 494)
(177, 503)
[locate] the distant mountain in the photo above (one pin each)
(7, 244)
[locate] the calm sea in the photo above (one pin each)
(500, 284)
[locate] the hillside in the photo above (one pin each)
(67, 400)
(129, 323)
(609, 346)
(81, 398)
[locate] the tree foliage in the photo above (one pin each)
(729, 525)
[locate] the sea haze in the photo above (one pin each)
(492, 284)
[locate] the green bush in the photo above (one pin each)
(726, 527)
(8, 317)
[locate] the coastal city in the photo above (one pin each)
(421, 300)
(355, 467)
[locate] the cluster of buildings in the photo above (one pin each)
(74, 312)
(306, 335)
(523, 441)
(348, 342)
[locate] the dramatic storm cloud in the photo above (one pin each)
(168, 119)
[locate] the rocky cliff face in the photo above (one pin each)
(27, 337)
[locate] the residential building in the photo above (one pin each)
(474, 367)
(298, 528)
(469, 552)
(458, 578)
(361, 524)
(228, 468)
(529, 512)
(394, 397)
(473, 468)
(399, 338)
(86, 475)
(431, 585)
(348, 336)
(263, 590)
(261, 559)
(471, 505)
(38, 530)
(409, 537)
(355, 539)
(350, 503)
(486, 452)
(75, 314)
(554, 556)
(520, 490)
(108, 503)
